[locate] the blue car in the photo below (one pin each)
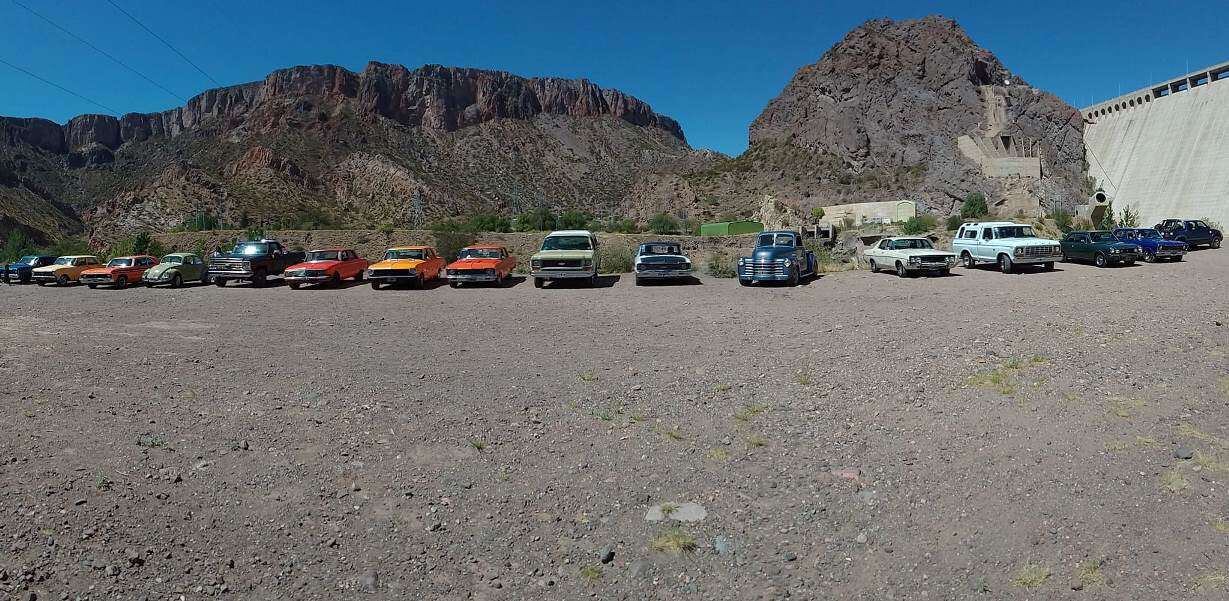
(778, 257)
(19, 271)
(1156, 246)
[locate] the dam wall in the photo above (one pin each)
(1164, 150)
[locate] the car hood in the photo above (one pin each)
(315, 265)
(923, 252)
(50, 268)
(397, 264)
(564, 254)
(18, 266)
(474, 264)
(766, 253)
(99, 271)
(1027, 241)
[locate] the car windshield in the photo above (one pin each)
(910, 243)
(567, 243)
(406, 253)
(63, 261)
(480, 253)
(28, 260)
(251, 248)
(1014, 231)
(1101, 236)
(323, 255)
(776, 240)
(119, 263)
(1148, 234)
(659, 249)
(172, 260)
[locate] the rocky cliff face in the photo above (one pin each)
(877, 119)
(321, 145)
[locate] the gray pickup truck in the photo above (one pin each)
(253, 261)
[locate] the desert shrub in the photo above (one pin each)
(140, 243)
(1062, 219)
(817, 213)
(1212, 223)
(919, 224)
(540, 219)
(721, 265)
(953, 222)
(68, 246)
(615, 259)
(1107, 219)
(489, 222)
(663, 223)
(198, 222)
(573, 220)
(16, 245)
(619, 226)
(385, 228)
(1081, 224)
(974, 206)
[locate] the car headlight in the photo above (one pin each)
(1018, 251)
(742, 260)
(1139, 249)
(370, 273)
(914, 260)
(951, 260)
(536, 263)
(587, 263)
(412, 272)
(787, 262)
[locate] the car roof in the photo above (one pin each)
(907, 238)
(485, 246)
(570, 233)
(180, 254)
(77, 257)
(994, 223)
(329, 249)
(780, 232)
(659, 242)
(409, 248)
(132, 257)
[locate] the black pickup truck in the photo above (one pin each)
(252, 261)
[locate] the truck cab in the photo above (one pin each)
(779, 256)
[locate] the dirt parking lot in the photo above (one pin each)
(1060, 435)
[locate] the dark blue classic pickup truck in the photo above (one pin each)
(1193, 232)
(778, 257)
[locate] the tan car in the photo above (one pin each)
(65, 270)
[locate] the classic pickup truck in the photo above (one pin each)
(564, 255)
(1100, 247)
(253, 261)
(118, 272)
(1193, 232)
(1005, 244)
(1154, 245)
(778, 257)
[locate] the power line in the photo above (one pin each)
(58, 86)
(164, 42)
(98, 50)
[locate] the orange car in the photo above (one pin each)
(481, 263)
(326, 266)
(118, 272)
(414, 265)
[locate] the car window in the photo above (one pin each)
(987, 234)
(970, 233)
(1198, 224)
(883, 245)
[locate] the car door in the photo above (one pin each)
(985, 245)
(192, 268)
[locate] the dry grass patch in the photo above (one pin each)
(1214, 580)
(1089, 574)
(591, 574)
(674, 541)
(1210, 462)
(673, 434)
(1031, 575)
(1124, 408)
(717, 454)
(802, 377)
(1190, 431)
(1220, 525)
(1172, 481)
(587, 376)
(998, 380)
(748, 412)
(756, 441)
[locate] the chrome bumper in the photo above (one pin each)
(562, 274)
(664, 274)
(472, 278)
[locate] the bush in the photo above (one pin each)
(1107, 219)
(615, 259)
(953, 222)
(17, 245)
(488, 222)
(540, 219)
(385, 228)
(919, 224)
(1062, 220)
(450, 242)
(663, 223)
(817, 213)
(1128, 218)
(573, 220)
(974, 206)
(69, 246)
(198, 222)
(721, 265)
(140, 243)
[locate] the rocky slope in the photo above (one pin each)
(322, 145)
(877, 118)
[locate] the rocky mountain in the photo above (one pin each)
(324, 146)
(879, 118)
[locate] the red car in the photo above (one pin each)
(326, 266)
(118, 272)
(481, 263)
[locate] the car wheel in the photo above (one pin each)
(1215, 243)
(1047, 266)
(1100, 260)
(293, 285)
(204, 278)
(454, 284)
(743, 282)
(1129, 262)
(176, 281)
(639, 282)
(874, 266)
(42, 283)
(1005, 264)
(259, 279)
(358, 275)
(335, 281)
(62, 280)
(793, 276)
(901, 272)
(375, 284)
(122, 282)
(944, 273)
(92, 286)
(593, 281)
(538, 283)
(417, 283)
(219, 282)
(1149, 257)
(967, 258)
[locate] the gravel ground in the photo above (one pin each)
(980, 436)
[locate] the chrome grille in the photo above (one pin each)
(763, 268)
(389, 273)
(1038, 251)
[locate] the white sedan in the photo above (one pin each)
(908, 255)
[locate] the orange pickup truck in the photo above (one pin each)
(118, 272)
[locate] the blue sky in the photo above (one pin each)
(711, 64)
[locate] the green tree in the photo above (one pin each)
(489, 222)
(663, 223)
(1128, 218)
(817, 213)
(1062, 220)
(953, 222)
(573, 220)
(1107, 218)
(15, 246)
(540, 219)
(919, 224)
(974, 206)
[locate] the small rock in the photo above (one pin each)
(134, 557)
(789, 556)
(29, 596)
(369, 582)
(606, 555)
(435, 527)
(639, 569)
(861, 538)
(1184, 453)
(355, 487)
(111, 570)
(1077, 584)
(243, 444)
(80, 502)
(722, 545)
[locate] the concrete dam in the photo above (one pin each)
(1164, 150)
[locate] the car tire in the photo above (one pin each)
(417, 283)
(176, 281)
(1005, 264)
(42, 283)
(1129, 262)
(639, 282)
(92, 286)
(1100, 261)
(375, 284)
(293, 285)
(122, 282)
(219, 282)
(1064, 258)
(1149, 257)
(593, 280)
(793, 276)
(901, 271)
(454, 284)
(538, 282)
(967, 258)
(62, 280)
(874, 266)
(743, 282)
(944, 273)
(335, 281)
(358, 276)
(259, 279)
(1047, 266)
(1215, 243)
(205, 278)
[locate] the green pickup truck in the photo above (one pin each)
(565, 255)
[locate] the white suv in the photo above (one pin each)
(1004, 243)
